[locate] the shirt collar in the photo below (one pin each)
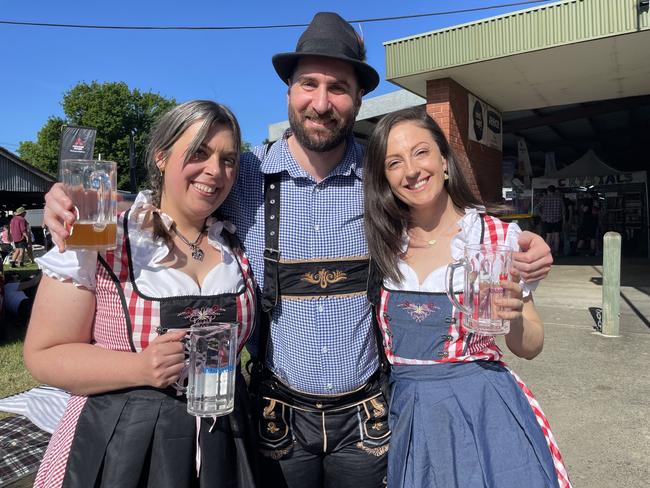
(279, 158)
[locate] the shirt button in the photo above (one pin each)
(317, 189)
(324, 349)
(329, 386)
(320, 308)
(317, 227)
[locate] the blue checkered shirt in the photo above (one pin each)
(320, 346)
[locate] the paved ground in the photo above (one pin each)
(595, 390)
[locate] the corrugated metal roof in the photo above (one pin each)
(18, 176)
(537, 28)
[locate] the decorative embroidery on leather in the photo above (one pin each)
(277, 454)
(324, 277)
(416, 311)
(268, 412)
(272, 428)
(375, 451)
(319, 297)
(377, 426)
(378, 409)
(203, 315)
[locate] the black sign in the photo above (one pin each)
(77, 143)
(477, 116)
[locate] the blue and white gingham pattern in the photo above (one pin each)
(323, 346)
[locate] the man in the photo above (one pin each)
(20, 234)
(298, 207)
(552, 213)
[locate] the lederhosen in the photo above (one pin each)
(304, 280)
(144, 436)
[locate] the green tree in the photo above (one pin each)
(116, 112)
(44, 152)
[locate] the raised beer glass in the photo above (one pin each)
(92, 187)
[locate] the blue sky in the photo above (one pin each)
(39, 64)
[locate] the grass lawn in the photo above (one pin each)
(14, 378)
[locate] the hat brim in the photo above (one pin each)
(285, 63)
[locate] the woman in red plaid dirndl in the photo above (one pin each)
(109, 326)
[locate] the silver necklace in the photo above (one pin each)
(197, 252)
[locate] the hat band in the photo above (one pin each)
(327, 47)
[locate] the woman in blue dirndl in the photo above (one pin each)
(459, 416)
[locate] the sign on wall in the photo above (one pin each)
(485, 125)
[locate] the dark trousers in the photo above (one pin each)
(308, 441)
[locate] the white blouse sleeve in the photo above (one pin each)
(78, 266)
(512, 236)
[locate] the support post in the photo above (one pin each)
(611, 283)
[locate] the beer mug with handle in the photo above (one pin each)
(92, 187)
(211, 366)
(484, 266)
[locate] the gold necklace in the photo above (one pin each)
(197, 252)
(433, 242)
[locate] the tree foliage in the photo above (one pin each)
(45, 151)
(116, 112)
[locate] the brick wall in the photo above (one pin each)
(447, 104)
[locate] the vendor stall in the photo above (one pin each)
(620, 198)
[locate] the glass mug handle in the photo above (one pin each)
(100, 182)
(449, 279)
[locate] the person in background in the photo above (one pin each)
(100, 325)
(4, 220)
(20, 236)
(459, 417)
(551, 209)
(588, 228)
(298, 206)
(6, 246)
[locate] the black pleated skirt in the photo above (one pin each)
(144, 437)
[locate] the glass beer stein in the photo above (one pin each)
(485, 266)
(92, 187)
(211, 367)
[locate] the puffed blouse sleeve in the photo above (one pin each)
(78, 266)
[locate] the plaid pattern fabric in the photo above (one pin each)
(22, 445)
(111, 331)
(111, 323)
(322, 346)
(462, 345)
(558, 462)
(551, 207)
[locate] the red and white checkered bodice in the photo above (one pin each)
(126, 320)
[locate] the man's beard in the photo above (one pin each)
(320, 140)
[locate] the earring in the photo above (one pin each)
(446, 176)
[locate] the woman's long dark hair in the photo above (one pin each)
(170, 127)
(386, 218)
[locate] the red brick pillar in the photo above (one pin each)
(447, 104)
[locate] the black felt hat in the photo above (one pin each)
(330, 36)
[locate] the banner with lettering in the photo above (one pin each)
(485, 125)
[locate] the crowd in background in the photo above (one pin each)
(17, 239)
(570, 227)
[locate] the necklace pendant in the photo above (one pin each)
(197, 253)
(432, 242)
